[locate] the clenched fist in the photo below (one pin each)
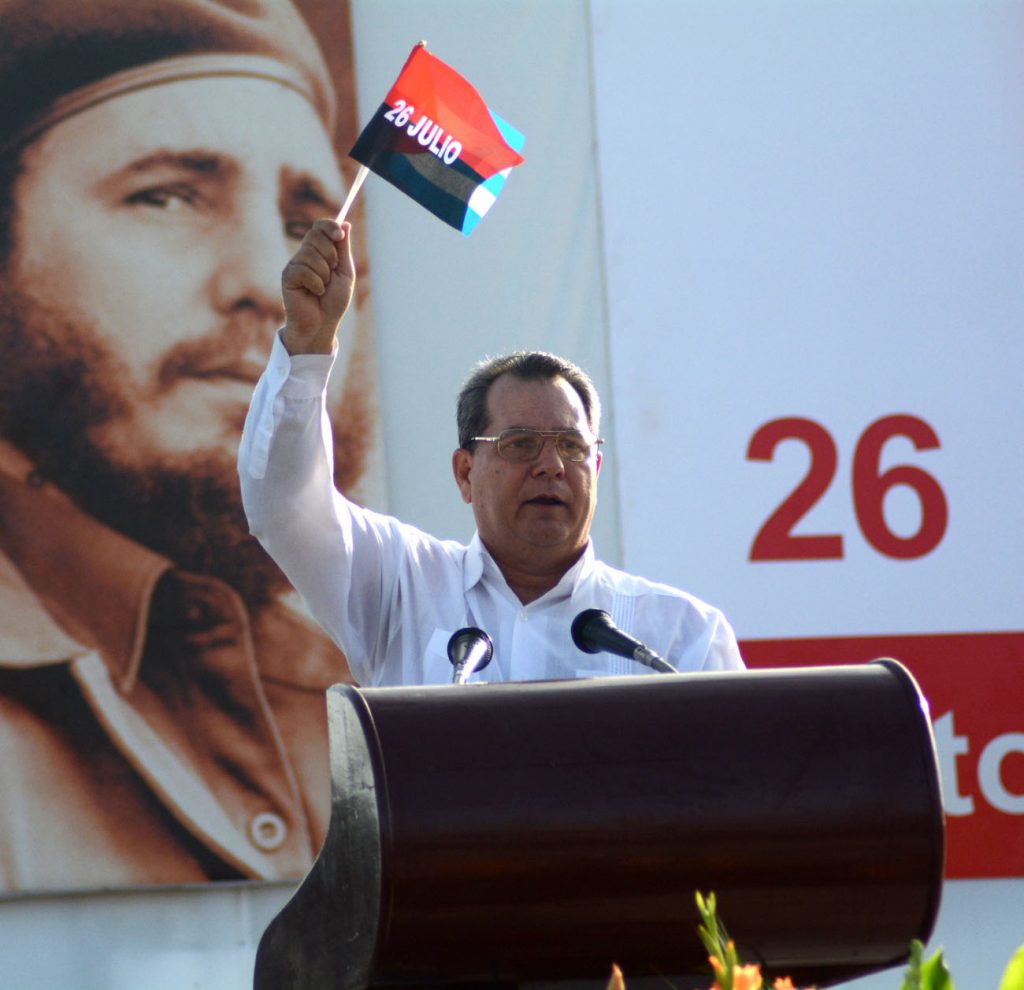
(317, 286)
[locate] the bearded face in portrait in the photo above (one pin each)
(141, 290)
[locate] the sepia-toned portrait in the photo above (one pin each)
(161, 688)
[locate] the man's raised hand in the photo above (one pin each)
(317, 285)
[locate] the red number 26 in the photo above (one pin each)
(776, 541)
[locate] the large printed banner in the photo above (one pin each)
(161, 697)
(814, 220)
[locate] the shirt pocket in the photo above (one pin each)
(437, 668)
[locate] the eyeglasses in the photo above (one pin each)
(524, 445)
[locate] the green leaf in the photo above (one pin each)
(912, 976)
(935, 974)
(710, 944)
(712, 934)
(1013, 978)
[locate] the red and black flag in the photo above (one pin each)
(436, 140)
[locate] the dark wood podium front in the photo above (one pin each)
(535, 833)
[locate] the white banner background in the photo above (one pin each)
(816, 210)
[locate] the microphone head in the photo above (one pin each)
(470, 640)
(586, 625)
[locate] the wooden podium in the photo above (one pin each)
(531, 834)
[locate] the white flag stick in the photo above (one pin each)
(357, 183)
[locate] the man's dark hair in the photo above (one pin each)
(471, 409)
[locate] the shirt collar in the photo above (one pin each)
(478, 563)
(473, 562)
(577, 574)
(94, 582)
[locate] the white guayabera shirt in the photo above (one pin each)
(391, 595)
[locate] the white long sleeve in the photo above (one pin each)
(391, 596)
(286, 468)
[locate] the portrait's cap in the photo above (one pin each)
(60, 57)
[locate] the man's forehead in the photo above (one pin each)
(515, 401)
(212, 126)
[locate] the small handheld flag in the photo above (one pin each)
(435, 139)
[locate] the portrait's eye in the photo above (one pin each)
(170, 196)
(296, 227)
(302, 203)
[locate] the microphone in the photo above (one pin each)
(470, 649)
(594, 631)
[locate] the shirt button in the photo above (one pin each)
(523, 615)
(267, 831)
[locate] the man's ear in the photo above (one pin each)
(462, 463)
(597, 468)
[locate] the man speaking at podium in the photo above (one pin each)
(528, 462)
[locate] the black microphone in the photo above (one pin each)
(470, 649)
(594, 631)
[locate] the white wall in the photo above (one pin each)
(199, 938)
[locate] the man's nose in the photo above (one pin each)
(549, 460)
(248, 275)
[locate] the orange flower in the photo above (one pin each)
(615, 981)
(783, 983)
(743, 977)
(746, 978)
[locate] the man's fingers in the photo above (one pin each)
(345, 264)
(317, 288)
(310, 275)
(317, 254)
(321, 242)
(311, 266)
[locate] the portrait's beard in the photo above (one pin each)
(60, 384)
